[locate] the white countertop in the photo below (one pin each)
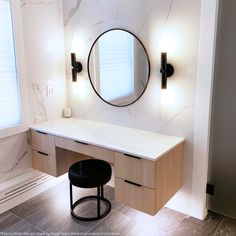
(140, 143)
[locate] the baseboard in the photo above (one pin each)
(23, 187)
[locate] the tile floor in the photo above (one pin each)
(48, 214)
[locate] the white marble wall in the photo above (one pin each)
(45, 57)
(43, 34)
(15, 156)
(170, 111)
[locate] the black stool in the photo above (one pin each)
(90, 174)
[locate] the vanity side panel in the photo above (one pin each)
(169, 175)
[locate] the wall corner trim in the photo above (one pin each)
(204, 87)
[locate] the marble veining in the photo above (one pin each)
(39, 110)
(145, 20)
(72, 11)
(173, 117)
(14, 156)
(144, 144)
(169, 12)
(16, 163)
(37, 2)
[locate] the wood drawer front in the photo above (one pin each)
(140, 171)
(86, 149)
(42, 142)
(138, 197)
(44, 162)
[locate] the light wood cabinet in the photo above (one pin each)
(43, 152)
(148, 185)
(142, 184)
(169, 175)
(42, 142)
(135, 169)
(135, 196)
(44, 162)
(86, 149)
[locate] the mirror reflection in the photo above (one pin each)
(118, 67)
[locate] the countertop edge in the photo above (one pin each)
(182, 140)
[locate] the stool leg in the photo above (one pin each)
(98, 201)
(71, 196)
(102, 194)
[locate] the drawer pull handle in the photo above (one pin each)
(43, 153)
(128, 155)
(40, 132)
(81, 143)
(129, 182)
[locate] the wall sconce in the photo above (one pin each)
(76, 67)
(167, 70)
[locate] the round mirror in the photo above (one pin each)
(118, 67)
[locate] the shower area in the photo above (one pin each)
(222, 165)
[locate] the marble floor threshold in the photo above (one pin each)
(49, 214)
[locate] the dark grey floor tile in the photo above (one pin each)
(114, 223)
(166, 220)
(192, 226)
(187, 227)
(50, 212)
(227, 227)
(120, 224)
(139, 229)
(47, 198)
(57, 218)
(8, 219)
(22, 227)
(40, 201)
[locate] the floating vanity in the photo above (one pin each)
(148, 167)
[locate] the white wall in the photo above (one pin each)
(170, 111)
(15, 156)
(207, 38)
(45, 58)
(42, 48)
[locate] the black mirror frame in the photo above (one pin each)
(149, 67)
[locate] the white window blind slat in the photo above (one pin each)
(116, 65)
(9, 94)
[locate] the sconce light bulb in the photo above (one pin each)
(167, 43)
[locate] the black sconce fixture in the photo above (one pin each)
(167, 70)
(76, 67)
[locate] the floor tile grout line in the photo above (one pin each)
(21, 219)
(218, 225)
(179, 224)
(199, 226)
(116, 210)
(99, 222)
(28, 216)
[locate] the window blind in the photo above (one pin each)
(116, 65)
(9, 94)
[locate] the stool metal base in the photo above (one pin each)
(99, 198)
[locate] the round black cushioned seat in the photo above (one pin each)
(90, 173)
